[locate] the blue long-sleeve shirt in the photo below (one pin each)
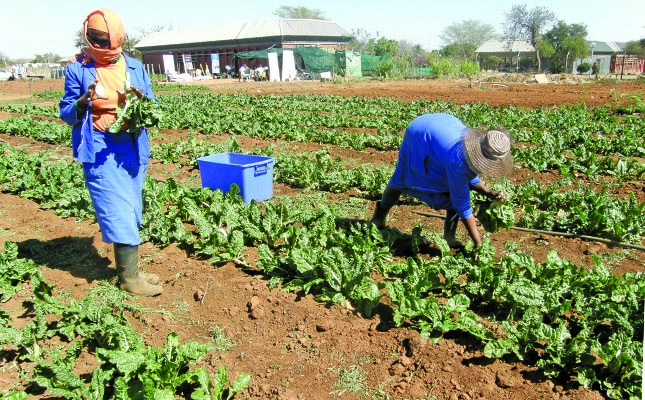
(431, 160)
(77, 79)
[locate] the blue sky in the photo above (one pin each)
(35, 27)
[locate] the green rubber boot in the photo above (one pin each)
(132, 281)
(152, 279)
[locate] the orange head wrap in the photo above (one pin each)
(105, 20)
(97, 22)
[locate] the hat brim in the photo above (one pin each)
(481, 164)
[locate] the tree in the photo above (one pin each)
(128, 46)
(143, 32)
(364, 42)
(79, 40)
(414, 51)
(568, 43)
(635, 48)
(466, 36)
(299, 12)
(403, 55)
(361, 40)
(546, 49)
(385, 47)
(524, 24)
(47, 58)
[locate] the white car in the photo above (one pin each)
(5, 75)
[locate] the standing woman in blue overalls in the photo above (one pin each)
(114, 164)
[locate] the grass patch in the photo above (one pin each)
(352, 379)
(222, 342)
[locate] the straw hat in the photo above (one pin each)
(489, 153)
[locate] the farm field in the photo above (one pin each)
(580, 168)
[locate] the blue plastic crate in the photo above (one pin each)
(253, 174)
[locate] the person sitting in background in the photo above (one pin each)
(260, 73)
(243, 72)
(439, 163)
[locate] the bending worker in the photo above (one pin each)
(114, 164)
(440, 161)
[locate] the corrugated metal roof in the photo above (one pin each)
(605, 47)
(246, 30)
(503, 46)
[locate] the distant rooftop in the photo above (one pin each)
(600, 46)
(502, 46)
(310, 28)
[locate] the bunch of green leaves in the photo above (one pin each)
(217, 388)
(628, 103)
(178, 87)
(583, 210)
(494, 215)
(138, 112)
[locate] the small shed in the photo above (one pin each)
(350, 62)
(510, 52)
(612, 58)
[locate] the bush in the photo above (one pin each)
(384, 69)
(444, 68)
(583, 68)
(468, 69)
(557, 68)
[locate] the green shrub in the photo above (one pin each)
(583, 68)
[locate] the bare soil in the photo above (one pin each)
(292, 345)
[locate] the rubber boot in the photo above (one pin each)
(380, 214)
(132, 281)
(450, 229)
(152, 279)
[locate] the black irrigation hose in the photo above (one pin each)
(569, 235)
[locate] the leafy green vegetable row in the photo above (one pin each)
(479, 292)
(602, 130)
(579, 210)
(554, 314)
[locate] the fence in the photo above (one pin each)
(38, 71)
(625, 64)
